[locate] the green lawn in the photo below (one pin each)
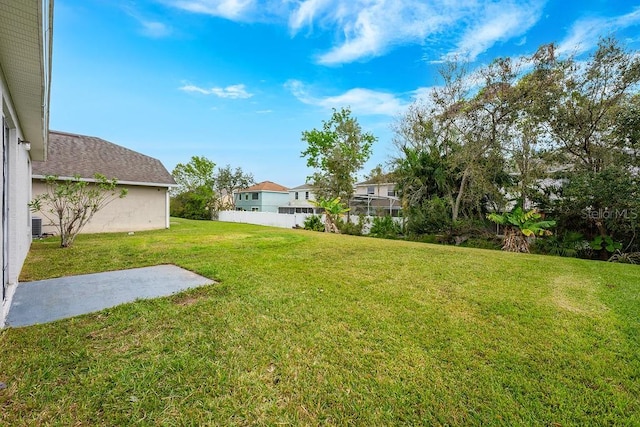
(306, 328)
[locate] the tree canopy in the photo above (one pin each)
(337, 152)
(557, 134)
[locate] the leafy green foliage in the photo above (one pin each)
(191, 205)
(314, 223)
(385, 227)
(333, 208)
(568, 244)
(605, 243)
(560, 135)
(71, 203)
(202, 192)
(196, 180)
(519, 225)
(347, 226)
(337, 152)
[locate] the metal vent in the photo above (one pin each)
(36, 227)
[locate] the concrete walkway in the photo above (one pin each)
(48, 300)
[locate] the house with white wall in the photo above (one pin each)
(147, 181)
(375, 197)
(301, 200)
(25, 79)
(265, 196)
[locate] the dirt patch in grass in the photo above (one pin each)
(576, 296)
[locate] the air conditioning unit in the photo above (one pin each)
(36, 227)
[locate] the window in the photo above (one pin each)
(371, 190)
(254, 196)
(296, 195)
(246, 196)
(239, 196)
(306, 195)
(391, 193)
(255, 209)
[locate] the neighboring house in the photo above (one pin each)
(300, 201)
(266, 196)
(146, 206)
(25, 71)
(375, 198)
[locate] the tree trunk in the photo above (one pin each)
(456, 206)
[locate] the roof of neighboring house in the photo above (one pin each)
(303, 187)
(385, 181)
(70, 154)
(266, 186)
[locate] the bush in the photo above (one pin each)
(190, 205)
(569, 244)
(385, 227)
(348, 227)
(314, 223)
(433, 216)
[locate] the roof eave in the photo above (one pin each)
(29, 79)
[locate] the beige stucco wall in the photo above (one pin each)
(144, 208)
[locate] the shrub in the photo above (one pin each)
(349, 227)
(314, 223)
(385, 227)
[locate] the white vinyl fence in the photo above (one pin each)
(264, 218)
(283, 220)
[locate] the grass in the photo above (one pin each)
(306, 328)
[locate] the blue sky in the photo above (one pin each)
(237, 81)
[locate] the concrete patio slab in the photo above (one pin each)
(48, 300)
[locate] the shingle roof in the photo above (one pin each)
(70, 154)
(302, 187)
(266, 186)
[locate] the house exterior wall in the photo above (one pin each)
(375, 199)
(384, 189)
(267, 201)
(16, 234)
(143, 208)
(300, 201)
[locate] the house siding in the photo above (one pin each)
(143, 208)
(17, 240)
(268, 201)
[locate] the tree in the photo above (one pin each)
(229, 180)
(196, 181)
(519, 226)
(333, 208)
(580, 101)
(71, 203)
(589, 110)
(192, 176)
(337, 152)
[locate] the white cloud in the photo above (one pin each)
(361, 101)
(231, 92)
(369, 28)
(228, 9)
(584, 34)
(155, 29)
(498, 22)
